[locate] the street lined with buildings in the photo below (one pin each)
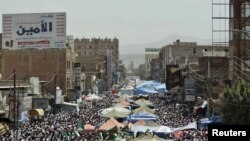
(55, 86)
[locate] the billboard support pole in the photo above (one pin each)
(55, 93)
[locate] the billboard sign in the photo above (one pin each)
(34, 30)
(189, 97)
(189, 86)
(58, 96)
(40, 103)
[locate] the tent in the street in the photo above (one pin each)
(110, 124)
(142, 116)
(192, 125)
(94, 97)
(140, 122)
(161, 88)
(145, 91)
(147, 87)
(149, 137)
(143, 102)
(115, 112)
(89, 127)
(87, 98)
(143, 109)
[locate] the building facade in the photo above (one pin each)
(0, 52)
(98, 56)
(53, 66)
(183, 53)
(150, 53)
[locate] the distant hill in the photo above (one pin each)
(137, 58)
(140, 48)
(136, 52)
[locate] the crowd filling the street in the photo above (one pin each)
(87, 124)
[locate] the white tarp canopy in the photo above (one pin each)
(93, 96)
(192, 125)
(160, 129)
(114, 112)
(165, 129)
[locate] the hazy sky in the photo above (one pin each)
(132, 21)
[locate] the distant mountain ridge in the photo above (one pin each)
(140, 48)
(136, 52)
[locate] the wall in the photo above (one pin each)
(42, 63)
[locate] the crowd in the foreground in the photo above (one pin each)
(64, 126)
(172, 115)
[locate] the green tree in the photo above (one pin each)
(236, 103)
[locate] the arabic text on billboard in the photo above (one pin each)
(35, 30)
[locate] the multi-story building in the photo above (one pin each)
(42, 63)
(1, 40)
(70, 42)
(98, 56)
(121, 72)
(0, 52)
(150, 53)
(182, 53)
(154, 65)
(142, 71)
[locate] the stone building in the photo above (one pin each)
(98, 57)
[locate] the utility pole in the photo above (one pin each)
(15, 117)
(208, 85)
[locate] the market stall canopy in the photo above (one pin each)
(192, 125)
(95, 97)
(143, 109)
(36, 112)
(149, 137)
(3, 128)
(152, 124)
(145, 91)
(114, 112)
(150, 87)
(142, 116)
(140, 122)
(110, 124)
(143, 102)
(87, 98)
(161, 88)
(125, 103)
(89, 127)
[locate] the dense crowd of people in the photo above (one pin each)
(65, 125)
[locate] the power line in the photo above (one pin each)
(190, 68)
(198, 84)
(49, 80)
(222, 69)
(197, 77)
(7, 78)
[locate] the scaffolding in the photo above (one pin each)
(231, 28)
